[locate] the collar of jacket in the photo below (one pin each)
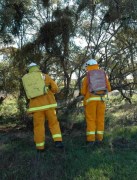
(34, 69)
(93, 67)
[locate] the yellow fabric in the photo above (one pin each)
(34, 68)
(95, 99)
(47, 99)
(40, 144)
(54, 136)
(42, 107)
(34, 84)
(94, 110)
(92, 67)
(90, 132)
(39, 125)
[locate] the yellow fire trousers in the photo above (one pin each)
(95, 112)
(39, 118)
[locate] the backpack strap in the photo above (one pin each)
(101, 95)
(96, 93)
(45, 89)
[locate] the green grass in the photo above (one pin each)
(19, 160)
(116, 159)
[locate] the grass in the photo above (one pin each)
(116, 159)
(19, 160)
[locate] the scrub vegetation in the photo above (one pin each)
(115, 159)
(60, 36)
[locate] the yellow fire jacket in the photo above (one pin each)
(46, 101)
(85, 90)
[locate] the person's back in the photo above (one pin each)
(94, 103)
(97, 81)
(34, 84)
(43, 107)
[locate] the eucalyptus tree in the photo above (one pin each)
(49, 32)
(109, 28)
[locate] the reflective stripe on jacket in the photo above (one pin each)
(85, 89)
(95, 99)
(46, 101)
(42, 108)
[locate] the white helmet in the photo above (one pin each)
(32, 64)
(91, 62)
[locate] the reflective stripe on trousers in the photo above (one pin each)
(90, 133)
(42, 107)
(93, 132)
(40, 144)
(56, 136)
(100, 132)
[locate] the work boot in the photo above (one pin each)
(40, 150)
(90, 143)
(59, 144)
(98, 143)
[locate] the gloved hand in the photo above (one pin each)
(80, 98)
(46, 89)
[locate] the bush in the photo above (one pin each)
(8, 110)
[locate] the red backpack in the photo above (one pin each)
(97, 81)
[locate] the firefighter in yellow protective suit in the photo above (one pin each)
(43, 108)
(94, 108)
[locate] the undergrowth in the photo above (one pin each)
(116, 158)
